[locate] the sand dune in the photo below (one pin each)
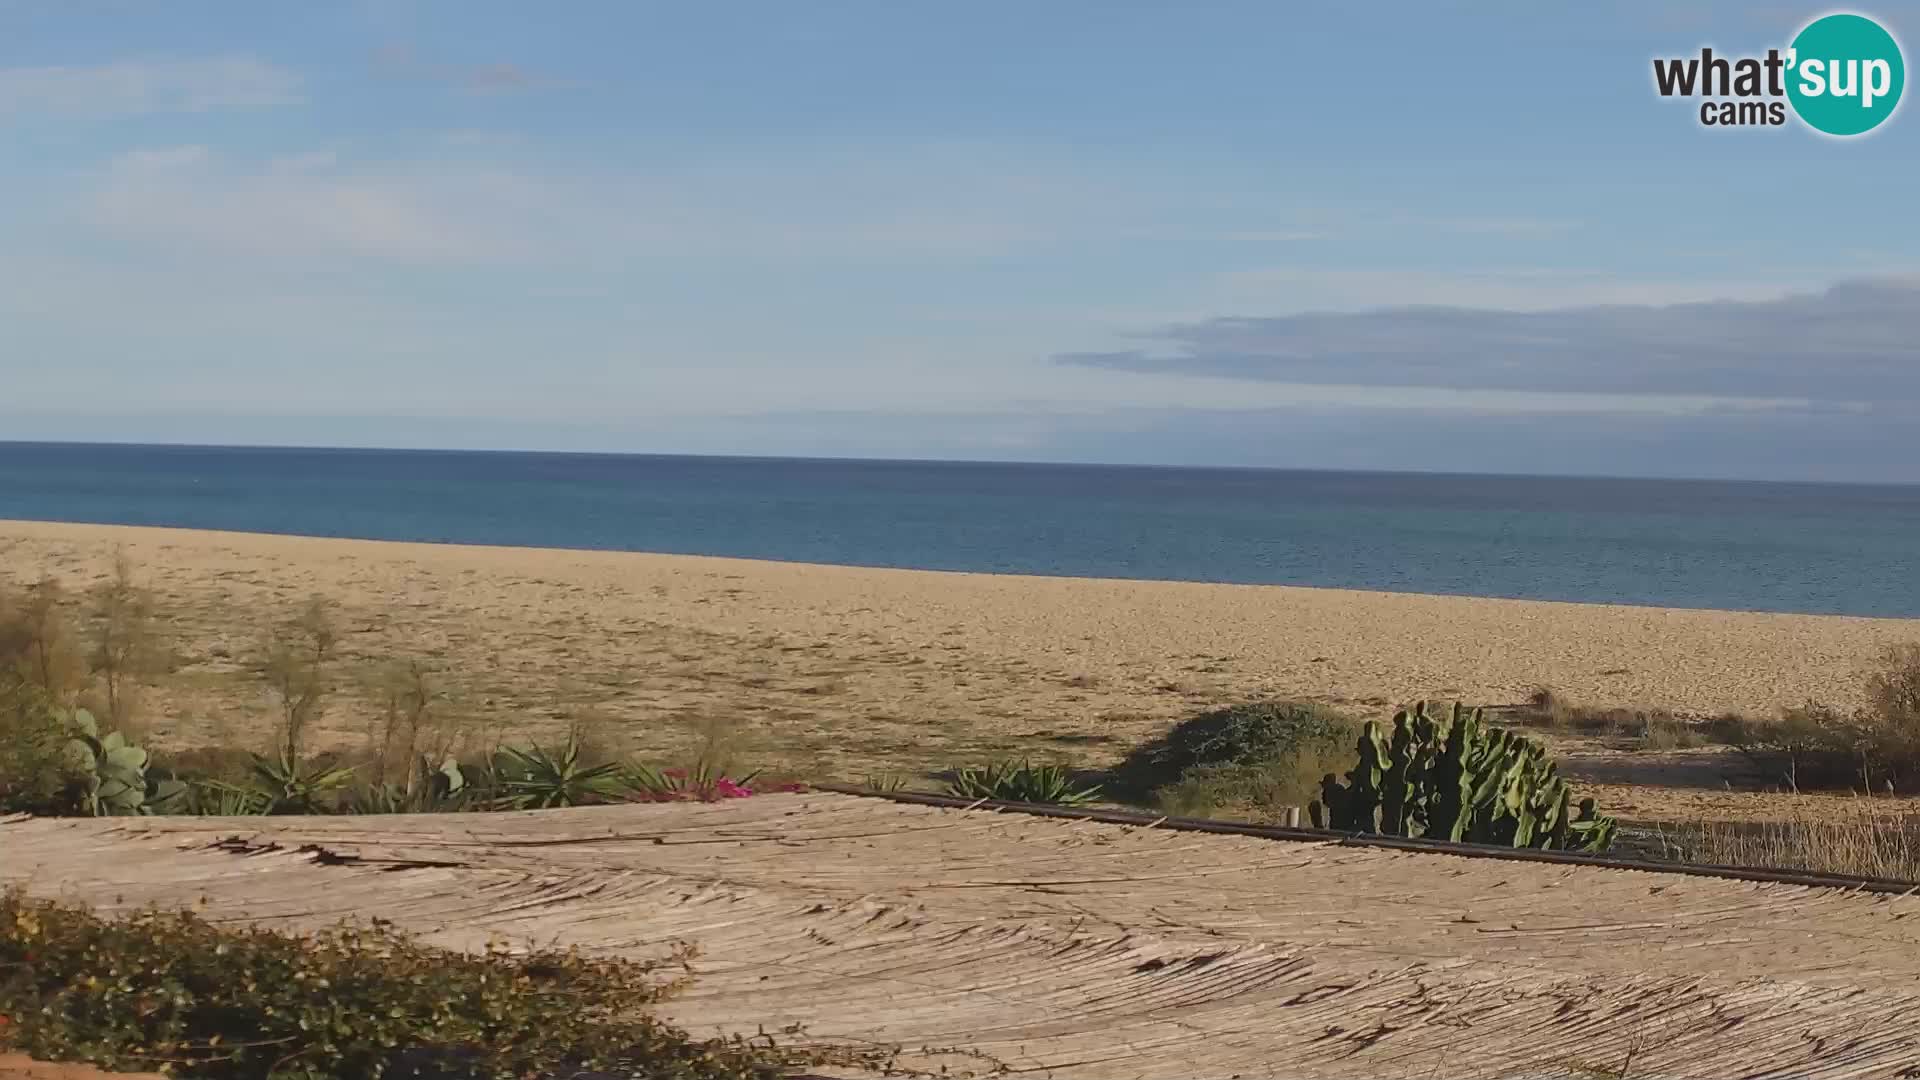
(842, 668)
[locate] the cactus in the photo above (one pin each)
(1453, 778)
(111, 773)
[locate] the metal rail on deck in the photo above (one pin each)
(1395, 843)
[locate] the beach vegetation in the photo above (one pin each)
(1450, 776)
(539, 777)
(884, 783)
(641, 782)
(122, 648)
(1021, 780)
(293, 785)
(37, 645)
(1852, 835)
(172, 992)
(1251, 761)
(297, 664)
(1873, 748)
(1628, 728)
(106, 774)
(37, 771)
(426, 788)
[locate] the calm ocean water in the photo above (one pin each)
(1840, 549)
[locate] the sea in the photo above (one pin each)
(1843, 549)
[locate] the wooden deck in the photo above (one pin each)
(1085, 950)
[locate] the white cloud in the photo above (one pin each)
(465, 203)
(146, 86)
(295, 206)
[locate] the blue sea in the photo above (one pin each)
(1818, 548)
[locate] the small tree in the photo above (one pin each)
(298, 668)
(122, 640)
(407, 717)
(36, 644)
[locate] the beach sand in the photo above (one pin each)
(842, 671)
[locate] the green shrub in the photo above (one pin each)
(169, 990)
(226, 764)
(36, 772)
(884, 783)
(640, 782)
(110, 774)
(293, 786)
(1020, 781)
(427, 789)
(538, 777)
(1253, 760)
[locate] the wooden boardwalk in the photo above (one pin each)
(991, 942)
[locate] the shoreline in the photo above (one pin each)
(8, 525)
(840, 668)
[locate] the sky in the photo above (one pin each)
(1422, 235)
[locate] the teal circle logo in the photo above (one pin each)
(1845, 74)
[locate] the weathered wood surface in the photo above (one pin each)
(1083, 950)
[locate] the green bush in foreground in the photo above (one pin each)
(35, 767)
(171, 992)
(1253, 760)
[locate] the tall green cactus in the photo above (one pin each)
(1453, 778)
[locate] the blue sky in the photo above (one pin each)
(1138, 232)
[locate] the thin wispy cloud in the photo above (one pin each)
(404, 62)
(479, 199)
(1856, 341)
(295, 206)
(147, 86)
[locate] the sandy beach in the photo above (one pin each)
(847, 669)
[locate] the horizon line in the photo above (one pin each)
(971, 462)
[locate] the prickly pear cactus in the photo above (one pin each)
(111, 772)
(1453, 778)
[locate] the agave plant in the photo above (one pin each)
(886, 783)
(644, 783)
(1020, 781)
(291, 786)
(427, 790)
(217, 798)
(537, 777)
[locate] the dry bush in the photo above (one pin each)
(298, 666)
(1862, 837)
(721, 746)
(1637, 729)
(1873, 748)
(37, 645)
(411, 723)
(122, 649)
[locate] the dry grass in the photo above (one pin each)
(1835, 836)
(1629, 729)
